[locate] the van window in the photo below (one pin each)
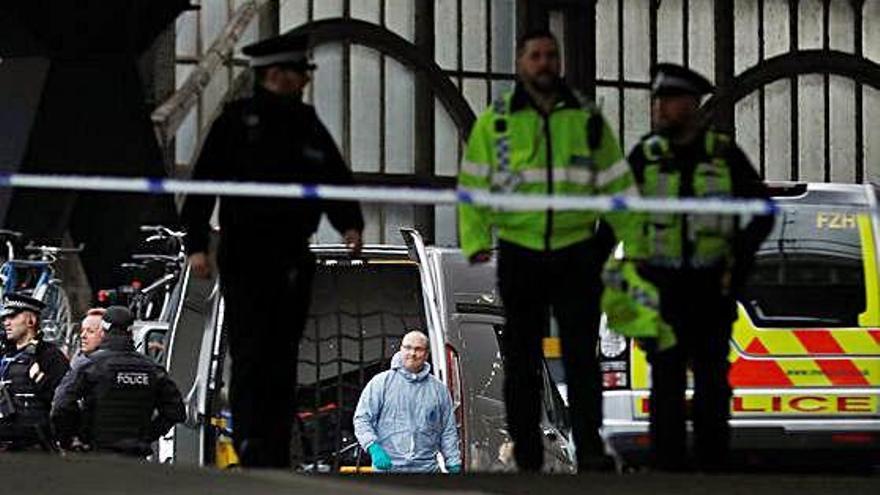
(808, 272)
(481, 359)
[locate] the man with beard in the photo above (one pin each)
(697, 262)
(543, 139)
(266, 268)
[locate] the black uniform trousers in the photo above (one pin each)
(264, 315)
(531, 284)
(701, 316)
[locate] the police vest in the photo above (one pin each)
(120, 403)
(709, 237)
(31, 412)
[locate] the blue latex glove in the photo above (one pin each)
(381, 461)
(454, 469)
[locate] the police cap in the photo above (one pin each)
(287, 50)
(675, 80)
(16, 303)
(117, 319)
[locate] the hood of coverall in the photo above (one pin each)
(397, 364)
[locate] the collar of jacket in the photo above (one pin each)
(117, 343)
(521, 98)
(397, 365)
(30, 346)
(263, 95)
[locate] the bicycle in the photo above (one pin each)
(37, 278)
(152, 303)
(10, 239)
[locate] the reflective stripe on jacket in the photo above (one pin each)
(672, 238)
(514, 148)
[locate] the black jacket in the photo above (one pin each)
(128, 400)
(32, 398)
(746, 183)
(267, 138)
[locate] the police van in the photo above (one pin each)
(805, 349)
(361, 308)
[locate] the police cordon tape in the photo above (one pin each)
(399, 195)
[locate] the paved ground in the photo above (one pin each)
(651, 484)
(37, 475)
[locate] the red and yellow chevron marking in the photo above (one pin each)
(804, 342)
(784, 357)
(784, 373)
(799, 358)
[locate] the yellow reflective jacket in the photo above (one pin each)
(632, 305)
(514, 148)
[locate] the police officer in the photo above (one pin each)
(128, 400)
(265, 265)
(29, 372)
(697, 262)
(543, 139)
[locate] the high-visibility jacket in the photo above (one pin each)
(515, 148)
(698, 240)
(632, 304)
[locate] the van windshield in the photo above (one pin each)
(809, 272)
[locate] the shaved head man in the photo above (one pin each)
(405, 415)
(415, 350)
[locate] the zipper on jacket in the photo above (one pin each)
(548, 232)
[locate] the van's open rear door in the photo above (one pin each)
(193, 351)
(417, 252)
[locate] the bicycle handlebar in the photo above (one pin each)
(158, 284)
(54, 249)
(157, 257)
(162, 231)
(10, 233)
(133, 266)
(30, 263)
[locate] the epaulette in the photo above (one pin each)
(499, 108)
(595, 122)
(655, 147)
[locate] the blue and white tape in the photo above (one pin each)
(378, 194)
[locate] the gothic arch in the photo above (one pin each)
(384, 41)
(790, 65)
(803, 62)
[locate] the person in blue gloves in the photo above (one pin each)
(405, 415)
